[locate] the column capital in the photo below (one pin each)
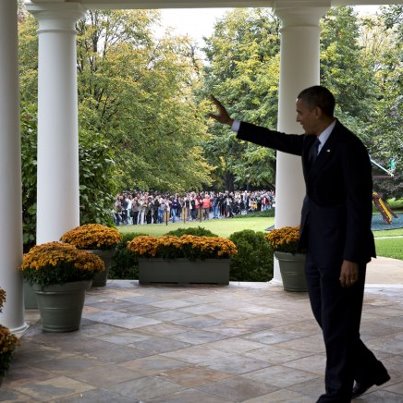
(301, 13)
(56, 16)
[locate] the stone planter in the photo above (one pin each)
(61, 305)
(106, 255)
(292, 269)
(184, 271)
(29, 296)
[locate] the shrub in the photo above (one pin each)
(198, 231)
(266, 213)
(254, 260)
(124, 263)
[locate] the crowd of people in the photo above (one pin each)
(138, 208)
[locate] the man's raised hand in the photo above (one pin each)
(222, 116)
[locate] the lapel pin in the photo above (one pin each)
(328, 150)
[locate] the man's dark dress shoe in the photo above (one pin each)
(360, 388)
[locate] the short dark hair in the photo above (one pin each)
(318, 96)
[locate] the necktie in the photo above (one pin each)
(314, 150)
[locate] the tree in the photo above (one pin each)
(387, 115)
(242, 71)
(344, 71)
(137, 93)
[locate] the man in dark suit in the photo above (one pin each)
(336, 232)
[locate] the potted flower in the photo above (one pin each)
(185, 259)
(8, 342)
(284, 242)
(59, 274)
(98, 239)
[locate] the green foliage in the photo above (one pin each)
(28, 64)
(64, 273)
(361, 64)
(198, 231)
(243, 69)
(342, 68)
(385, 52)
(137, 93)
(254, 260)
(97, 184)
(124, 263)
(28, 174)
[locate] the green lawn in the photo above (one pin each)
(388, 233)
(392, 247)
(222, 227)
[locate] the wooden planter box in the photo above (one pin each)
(184, 271)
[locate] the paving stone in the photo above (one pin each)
(54, 388)
(154, 365)
(282, 395)
(249, 342)
(197, 337)
(280, 376)
(146, 388)
(236, 364)
(238, 389)
(190, 396)
(98, 396)
(194, 376)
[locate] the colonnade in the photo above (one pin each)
(58, 171)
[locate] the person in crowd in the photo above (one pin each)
(174, 208)
(129, 201)
(124, 203)
(216, 205)
(135, 210)
(336, 232)
(118, 210)
(206, 204)
(228, 205)
(142, 205)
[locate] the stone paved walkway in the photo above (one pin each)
(246, 342)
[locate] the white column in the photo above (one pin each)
(58, 175)
(10, 172)
(299, 69)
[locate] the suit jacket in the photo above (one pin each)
(337, 211)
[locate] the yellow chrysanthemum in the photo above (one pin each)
(190, 246)
(92, 236)
(284, 239)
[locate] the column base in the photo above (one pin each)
(19, 331)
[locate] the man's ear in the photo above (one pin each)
(318, 112)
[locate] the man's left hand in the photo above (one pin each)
(348, 273)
